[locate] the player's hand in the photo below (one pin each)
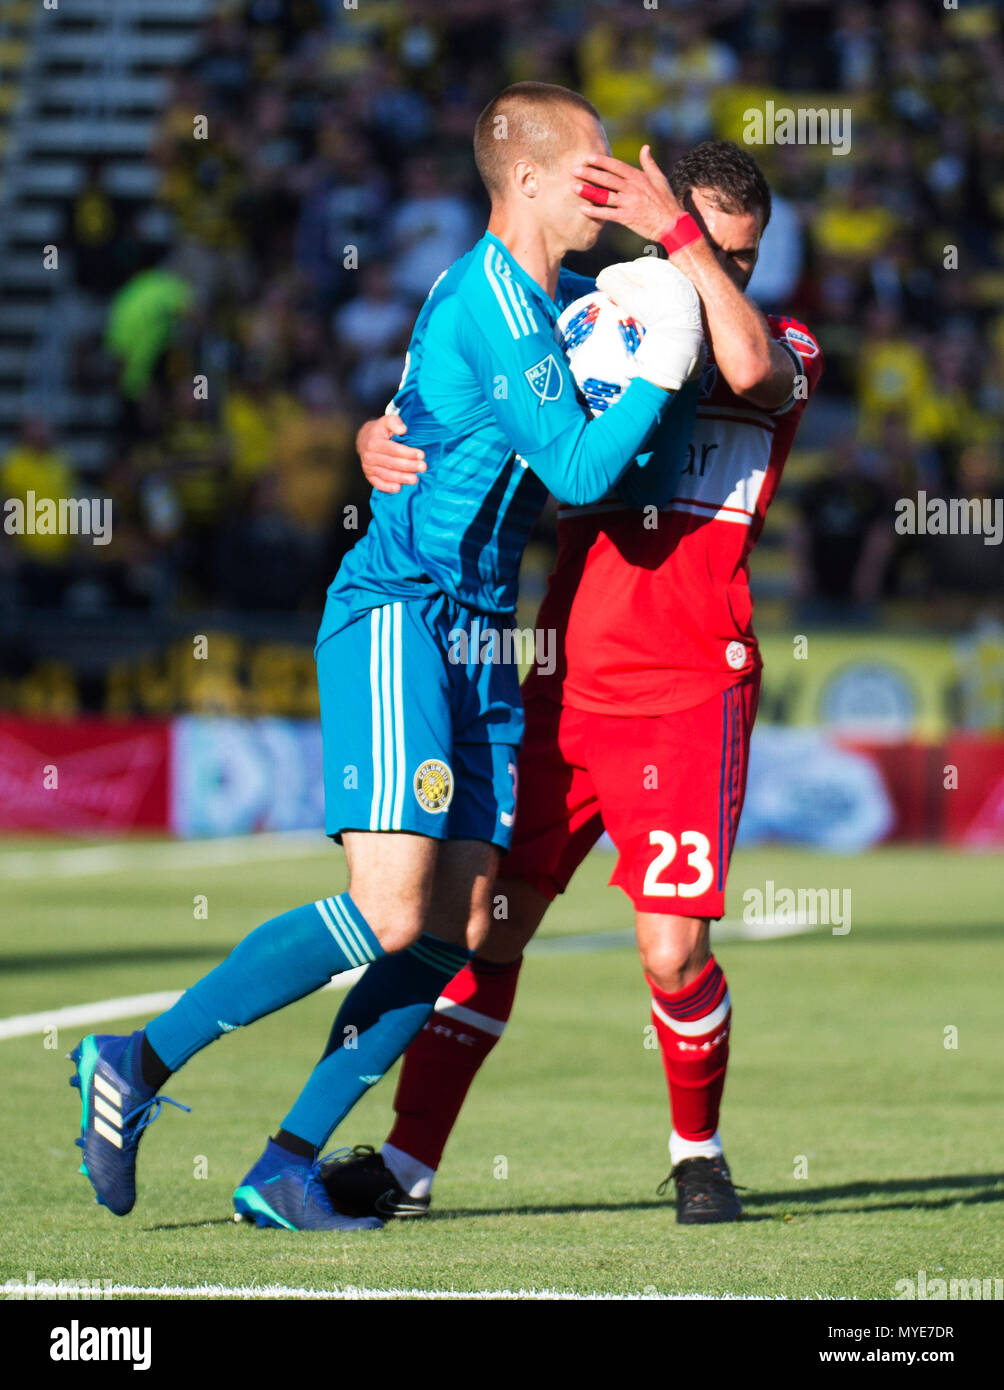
(388, 465)
(664, 301)
(640, 199)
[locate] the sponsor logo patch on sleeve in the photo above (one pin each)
(805, 345)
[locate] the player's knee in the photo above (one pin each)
(395, 913)
(504, 942)
(397, 933)
(674, 961)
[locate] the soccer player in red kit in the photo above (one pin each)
(644, 726)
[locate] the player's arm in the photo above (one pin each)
(753, 363)
(526, 381)
(652, 480)
(388, 465)
(584, 460)
(576, 469)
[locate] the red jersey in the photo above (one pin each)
(655, 609)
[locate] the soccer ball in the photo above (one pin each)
(599, 340)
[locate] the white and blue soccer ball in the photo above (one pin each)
(599, 340)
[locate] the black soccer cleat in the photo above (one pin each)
(359, 1183)
(704, 1192)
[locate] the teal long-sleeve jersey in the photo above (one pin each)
(487, 394)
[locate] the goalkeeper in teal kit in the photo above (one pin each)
(420, 750)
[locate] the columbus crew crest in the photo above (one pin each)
(433, 785)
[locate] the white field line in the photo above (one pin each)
(140, 1005)
(171, 855)
(127, 1006)
(728, 929)
(81, 1015)
(15, 1290)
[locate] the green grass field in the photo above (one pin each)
(839, 1069)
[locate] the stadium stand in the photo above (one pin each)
(92, 84)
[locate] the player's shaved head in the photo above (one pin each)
(529, 120)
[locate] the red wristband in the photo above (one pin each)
(680, 233)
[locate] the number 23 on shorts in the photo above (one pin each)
(669, 875)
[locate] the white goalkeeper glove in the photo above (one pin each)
(667, 305)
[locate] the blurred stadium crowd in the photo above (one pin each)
(335, 182)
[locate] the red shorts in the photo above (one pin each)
(669, 789)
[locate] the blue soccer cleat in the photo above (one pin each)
(278, 1191)
(115, 1109)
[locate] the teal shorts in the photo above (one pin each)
(421, 728)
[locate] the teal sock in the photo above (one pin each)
(380, 1016)
(283, 960)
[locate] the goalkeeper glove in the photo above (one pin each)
(667, 305)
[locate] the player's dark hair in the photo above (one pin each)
(526, 118)
(728, 172)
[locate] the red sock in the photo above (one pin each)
(693, 1027)
(444, 1059)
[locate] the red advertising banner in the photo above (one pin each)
(912, 776)
(210, 776)
(974, 799)
(85, 777)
